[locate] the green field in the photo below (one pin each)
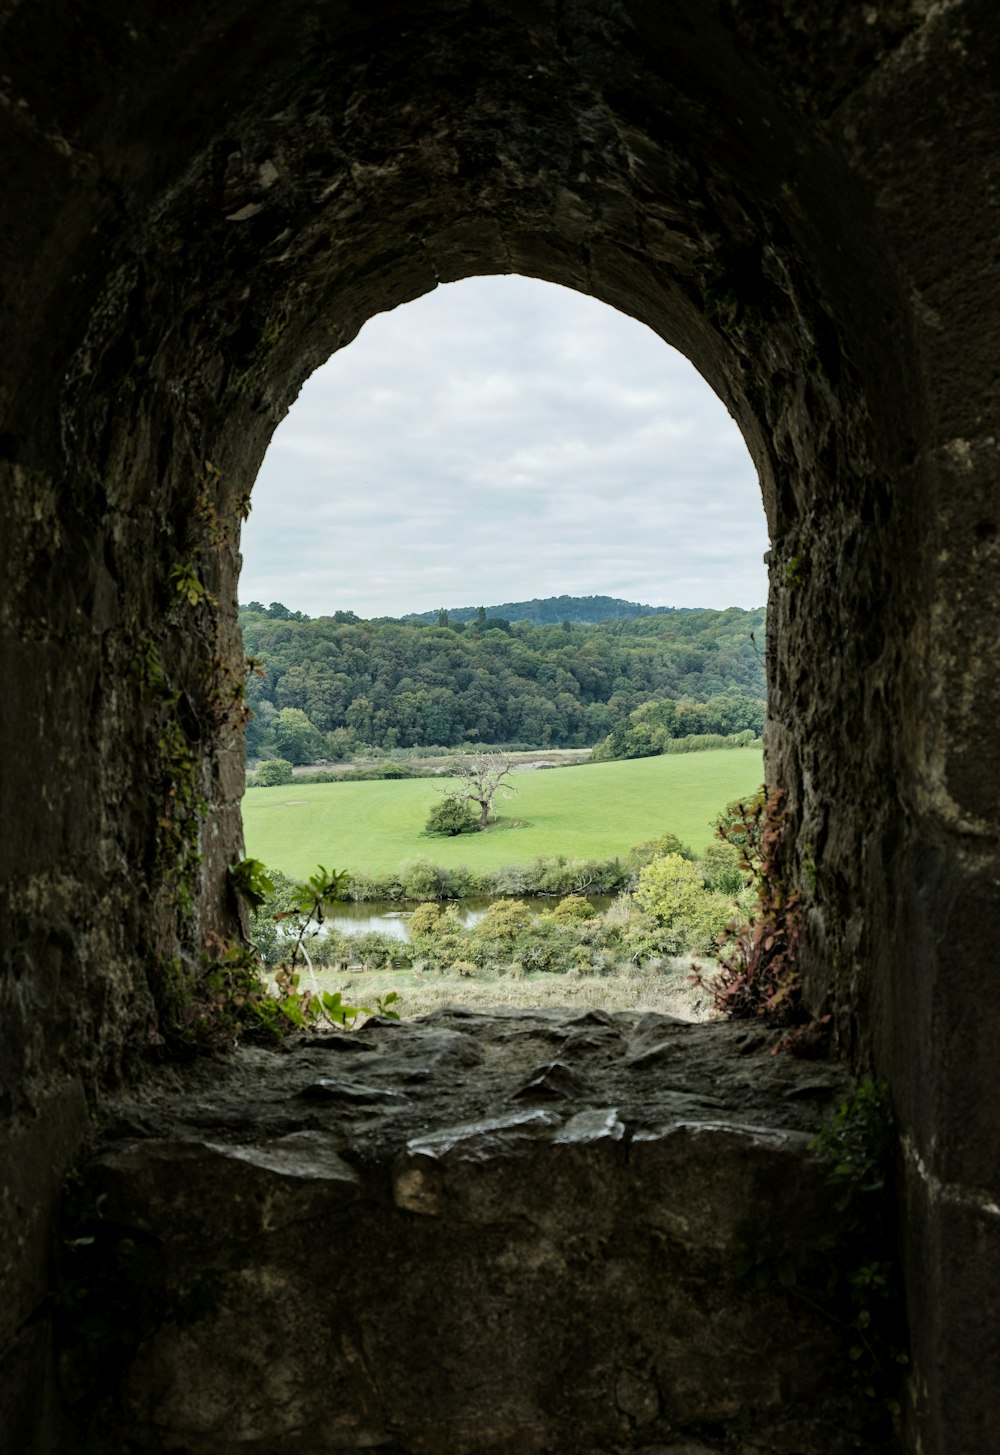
(595, 811)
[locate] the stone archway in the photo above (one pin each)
(202, 206)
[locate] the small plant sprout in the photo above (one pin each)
(308, 906)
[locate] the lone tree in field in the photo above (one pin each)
(481, 781)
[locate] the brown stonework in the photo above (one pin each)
(201, 202)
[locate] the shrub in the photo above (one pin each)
(493, 938)
(706, 742)
(574, 907)
(271, 940)
(426, 918)
(743, 823)
(422, 880)
(641, 854)
(450, 816)
(375, 886)
(272, 772)
(505, 919)
(722, 868)
(511, 880)
(460, 881)
(378, 949)
(331, 948)
(672, 895)
(547, 945)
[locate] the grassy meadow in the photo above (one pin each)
(594, 811)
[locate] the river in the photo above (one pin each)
(390, 918)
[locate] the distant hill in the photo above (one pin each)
(551, 610)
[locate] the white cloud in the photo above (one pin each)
(500, 439)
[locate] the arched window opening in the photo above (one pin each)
(508, 529)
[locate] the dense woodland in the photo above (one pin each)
(334, 683)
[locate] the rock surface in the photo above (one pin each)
(531, 1231)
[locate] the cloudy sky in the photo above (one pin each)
(496, 440)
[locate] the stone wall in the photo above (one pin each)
(200, 206)
(570, 1234)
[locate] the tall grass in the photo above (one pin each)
(666, 990)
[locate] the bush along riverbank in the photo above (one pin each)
(668, 904)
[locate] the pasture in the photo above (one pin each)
(594, 811)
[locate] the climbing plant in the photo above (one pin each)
(758, 969)
(202, 992)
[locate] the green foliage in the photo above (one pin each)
(674, 911)
(651, 849)
(397, 684)
(272, 773)
(705, 742)
(507, 934)
(451, 816)
(551, 945)
(302, 1009)
(311, 900)
(295, 737)
(186, 582)
(547, 611)
(269, 939)
(382, 1004)
(572, 908)
(420, 879)
(723, 869)
(858, 1144)
(661, 726)
(177, 770)
(377, 950)
(560, 874)
(375, 772)
(795, 572)
(218, 1002)
(251, 881)
(671, 893)
(741, 824)
(504, 920)
(425, 919)
(225, 998)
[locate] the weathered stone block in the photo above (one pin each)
(436, 1265)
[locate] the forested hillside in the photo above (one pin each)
(539, 611)
(340, 682)
(551, 610)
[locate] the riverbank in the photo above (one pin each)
(423, 758)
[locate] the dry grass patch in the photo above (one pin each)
(667, 990)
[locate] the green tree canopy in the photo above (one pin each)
(295, 736)
(451, 816)
(271, 772)
(505, 681)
